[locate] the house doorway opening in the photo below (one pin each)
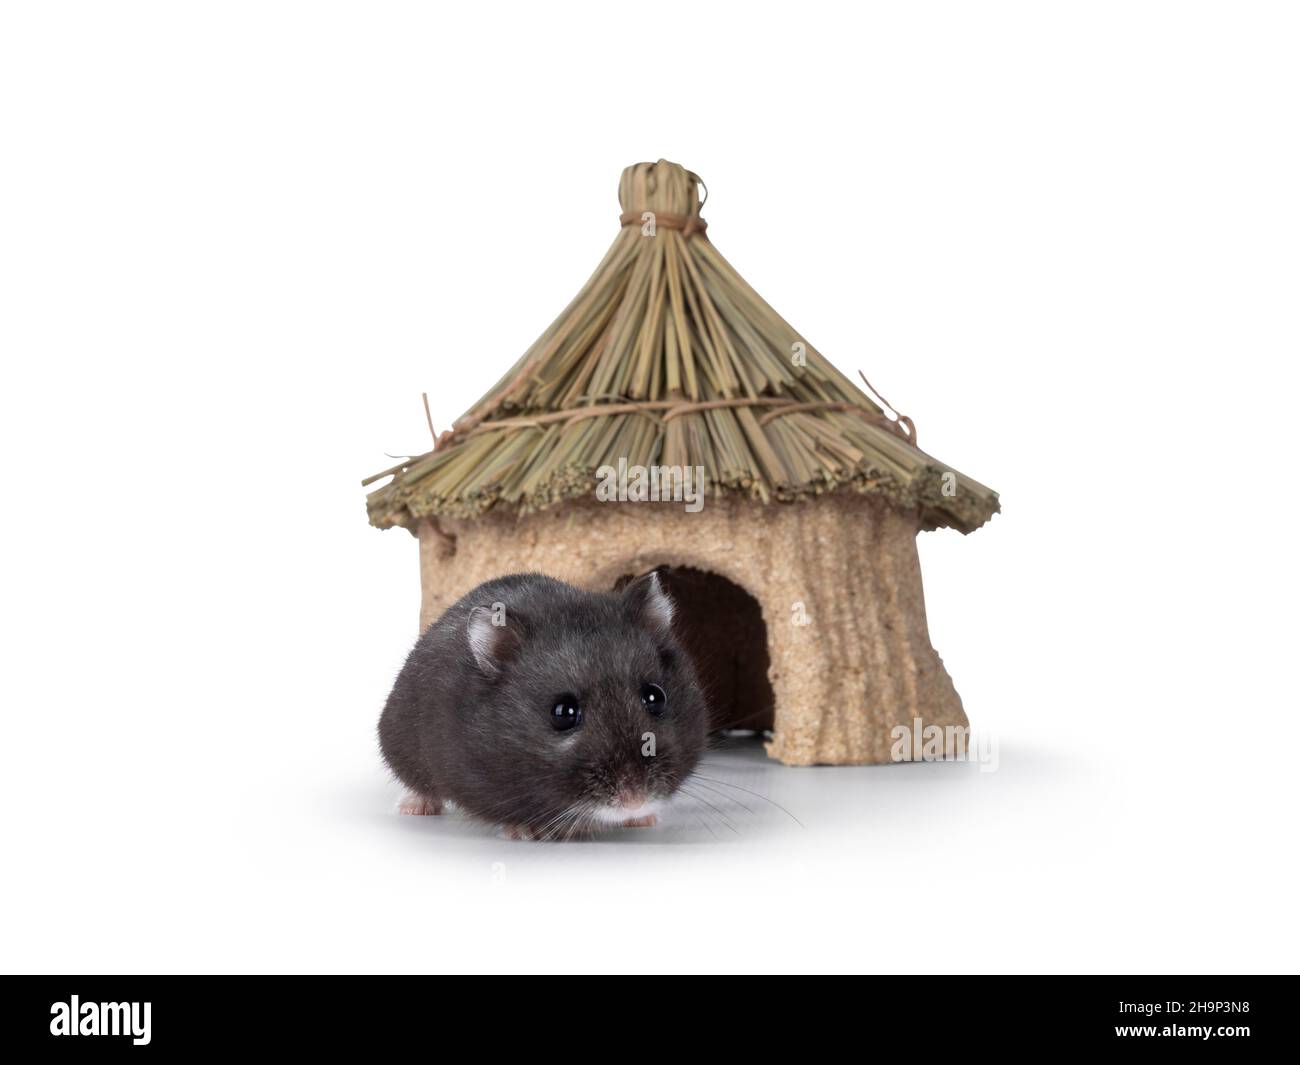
(721, 627)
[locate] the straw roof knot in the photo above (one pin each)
(651, 221)
(661, 195)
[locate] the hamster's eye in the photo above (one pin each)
(566, 713)
(654, 699)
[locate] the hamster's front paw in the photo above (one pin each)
(648, 821)
(419, 805)
(516, 832)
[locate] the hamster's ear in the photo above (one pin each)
(646, 602)
(494, 637)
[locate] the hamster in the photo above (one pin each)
(547, 710)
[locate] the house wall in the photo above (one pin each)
(837, 577)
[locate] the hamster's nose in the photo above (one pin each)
(631, 798)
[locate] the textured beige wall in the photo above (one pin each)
(861, 664)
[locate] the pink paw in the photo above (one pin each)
(517, 832)
(419, 805)
(648, 821)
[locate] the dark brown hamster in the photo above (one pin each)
(545, 709)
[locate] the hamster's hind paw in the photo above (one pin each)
(419, 805)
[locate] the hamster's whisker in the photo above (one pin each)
(708, 818)
(699, 778)
(545, 831)
(562, 825)
(705, 825)
(579, 821)
(699, 798)
(722, 794)
(582, 821)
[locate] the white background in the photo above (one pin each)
(238, 240)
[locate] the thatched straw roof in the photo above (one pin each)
(668, 358)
